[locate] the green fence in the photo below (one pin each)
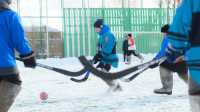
(80, 37)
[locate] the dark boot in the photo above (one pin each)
(166, 77)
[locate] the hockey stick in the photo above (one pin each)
(133, 76)
(81, 80)
(112, 76)
(84, 79)
(64, 72)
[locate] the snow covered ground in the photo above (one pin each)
(67, 96)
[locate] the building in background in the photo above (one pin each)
(75, 35)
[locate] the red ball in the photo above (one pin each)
(43, 96)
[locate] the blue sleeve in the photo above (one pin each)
(163, 48)
(178, 33)
(19, 36)
(186, 55)
(108, 43)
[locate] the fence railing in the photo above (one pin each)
(80, 37)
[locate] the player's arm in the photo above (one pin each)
(178, 33)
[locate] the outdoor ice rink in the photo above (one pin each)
(90, 96)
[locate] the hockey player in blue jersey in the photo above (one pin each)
(184, 34)
(12, 37)
(106, 55)
(166, 69)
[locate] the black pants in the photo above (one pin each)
(132, 51)
(180, 68)
(125, 54)
(15, 79)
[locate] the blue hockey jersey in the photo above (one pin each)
(12, 37)
(106, 47)
(184, 34)
(164, 46)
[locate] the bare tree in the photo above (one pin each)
(166, 3)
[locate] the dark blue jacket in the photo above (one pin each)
(125, 45)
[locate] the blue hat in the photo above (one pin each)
(99, 23)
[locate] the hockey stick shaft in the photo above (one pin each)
(62, 71)
(112, 76)
(85, 78)
(134, 76)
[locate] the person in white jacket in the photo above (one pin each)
(131, 49)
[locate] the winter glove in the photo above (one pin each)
(107, 67)
(97, 58)
(29, 60)
(174, 56)
(154, 65)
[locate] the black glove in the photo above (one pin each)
(29, 60)
(154, 65)
(97, 58)
(107, 67)
(174, 56)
